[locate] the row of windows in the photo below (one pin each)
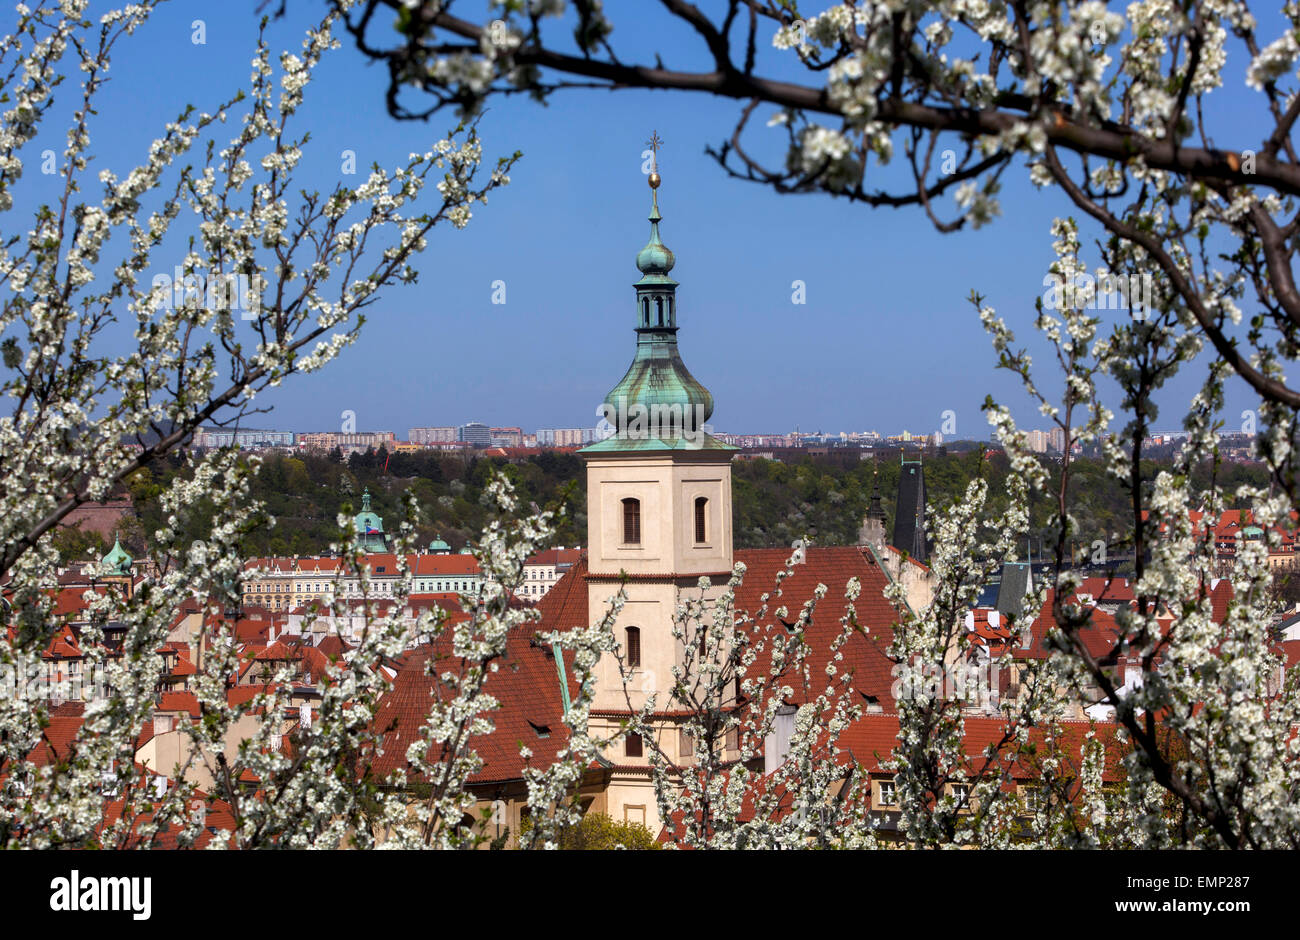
(382, 587)
(632, 521)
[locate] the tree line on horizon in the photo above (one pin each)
(775, 502)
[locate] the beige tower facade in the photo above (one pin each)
(658, 519)
(677, 498)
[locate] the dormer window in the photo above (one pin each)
(631, 521)
(888, 795)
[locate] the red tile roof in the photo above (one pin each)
(555, 556)
(186, 702)
(865, 656)
(443, 565)
(527, 686)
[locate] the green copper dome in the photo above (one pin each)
(439, 547)
(369, 526)
(117, 560)
(658, 404)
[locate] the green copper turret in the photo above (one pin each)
(117, 561)
(658, 404)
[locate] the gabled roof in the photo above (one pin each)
(1017, 578)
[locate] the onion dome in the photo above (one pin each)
(117, 560)
(655, 259)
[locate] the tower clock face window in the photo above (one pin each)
(632, 522)
(701, 520)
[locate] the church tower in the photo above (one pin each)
(873, 526)
(658, 511)
(909, 511)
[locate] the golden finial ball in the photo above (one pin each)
(654, 180)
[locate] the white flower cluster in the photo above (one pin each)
(89, 417)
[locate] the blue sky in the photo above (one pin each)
(887, 339)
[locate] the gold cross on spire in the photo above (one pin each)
(654, 143)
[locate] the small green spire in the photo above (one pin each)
(655, 260)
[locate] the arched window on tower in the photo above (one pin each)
(634, 647)
(701, 520)
(672, 312)
(645, 311)
(659, 306)
(632, 521)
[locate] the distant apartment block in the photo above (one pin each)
(432, 435)
(354, 440)
(757, 440)
(243, 439)
(480, 435)
(860, 437)
(1038, 441)
(567, 437)
(907, 437)
(507, 437)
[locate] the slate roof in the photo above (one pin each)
(1016, 579)
(909, 511)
